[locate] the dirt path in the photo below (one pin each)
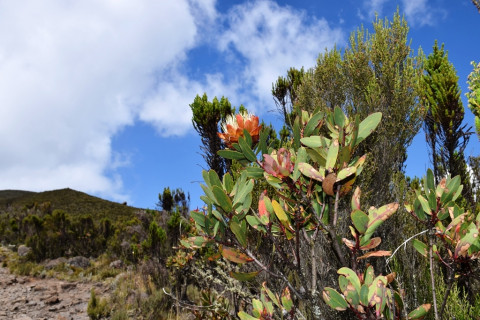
(28, 298)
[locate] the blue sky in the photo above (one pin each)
(95, 94)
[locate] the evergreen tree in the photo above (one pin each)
(377, 73)
(473, 95)
(445, 134)
(284, 92)
(206, 118)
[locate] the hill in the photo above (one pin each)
(75, 203)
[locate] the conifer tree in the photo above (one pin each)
(445, 134)
(377, 73)
(473, 95)
(205, 119)
(284, 92)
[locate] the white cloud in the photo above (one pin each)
(74, 73)
(419, 12)
(272, 39)
(372, 7)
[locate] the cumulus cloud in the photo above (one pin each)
(423, 12)
(418, 12)
(372, 7)
(270, 39)
(74, 73)
(71, 75)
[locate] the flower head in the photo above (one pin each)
(278, 163)
(234, 125)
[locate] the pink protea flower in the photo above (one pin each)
(278, 163)
(235, 124)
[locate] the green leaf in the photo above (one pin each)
(231, 154)
(296, 133)
(244, 276)
(432, 200)
(219, 216)
(421, 247)
(198, 217)
(334, 299)
(430, 180)
(228, 182)
(245, 316)
(301, 158)
(425, 205)
(254, 172)
(418, 209)
(351, 276)
(222, 199)
(368, 276)
(214, 179)
(255, 223)
(239, 228)
(315, 141)
(311, 172)
(451, 189)
(367, 126)
(242, 191)
(312, 124)
(344, 173)
(364, 295)
(215, 228)
(248, 138)
(420, 312)
(376, 217)
(360, 220)
(247, 150)
(339, 117)
(208, 193)
(287, 300)
(332, 155)
(281, 215)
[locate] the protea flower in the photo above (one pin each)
(278, 164)
(235, 124)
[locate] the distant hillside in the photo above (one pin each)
(73, 202)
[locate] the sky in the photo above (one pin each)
(95, 94)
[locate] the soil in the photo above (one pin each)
(30, 298)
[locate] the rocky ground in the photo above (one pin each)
(29, 298)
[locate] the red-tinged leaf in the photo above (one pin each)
(356, 199)
(287, 299)
(214, 257)
(391, 276)
(420, 312)
(234, 255)
(349, 243)
(244, 276)
(262, 208)
(375, 254)
(347, 187)
(377, 216)
(373, 243)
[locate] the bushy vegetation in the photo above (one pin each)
(322, 223)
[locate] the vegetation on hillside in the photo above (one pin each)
(321, 224)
